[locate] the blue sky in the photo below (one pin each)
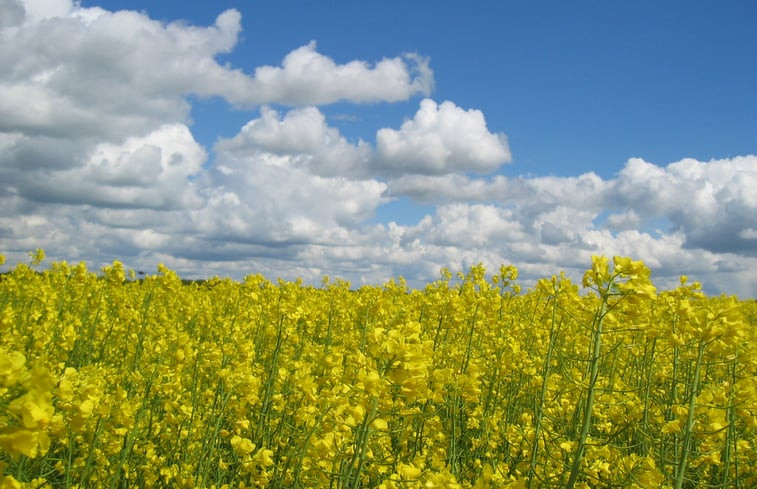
(577, 86)
(533, 133)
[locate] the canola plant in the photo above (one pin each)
(107, 381)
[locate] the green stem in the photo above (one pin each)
(539, 411)
(594, 375)
(731, 433)
(681, 471)
(647, 392)
(355, 467)
(470, 342)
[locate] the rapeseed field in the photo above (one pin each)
(470, 382)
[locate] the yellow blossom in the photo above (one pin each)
(24, 441)
(242, 446)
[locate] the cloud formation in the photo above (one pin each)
(442, 139)
(307, 77)
(70, 70)
(714, 204)
(303, 138)
(98, 161)
(146, 172)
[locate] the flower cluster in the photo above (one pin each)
(110, 381)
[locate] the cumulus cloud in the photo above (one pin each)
(70, 70)
(688, 216)
(284, 180)
(98, 161)
(304, 139)
(151, 171)
(307, 77)
(468, 226)
(712, 203)
(261, 198)
(623, 220)
(94, 114)
(584, 191)
(442, 139)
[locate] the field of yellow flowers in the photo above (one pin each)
(107, 381)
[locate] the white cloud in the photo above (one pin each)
(271, 216)
(95, 117)
(304, 138)
(142, 172)
(450, 140)
(442, 139)
(566, 220)
(291, 192)
(624, 220)
(72, 71)
(307, 77)
(710, 202)
(588, 192)
(468, 226)
(37, 10)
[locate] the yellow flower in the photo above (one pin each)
(409, 472)
(26, 442)
(40, 379)
(242, 446)
(11, 366)
(9, 482)
(673, 426)
(37, 256)
(263, 457)
(35, 408)
(599, 273)
(86, 407)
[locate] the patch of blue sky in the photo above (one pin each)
(403, 211)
